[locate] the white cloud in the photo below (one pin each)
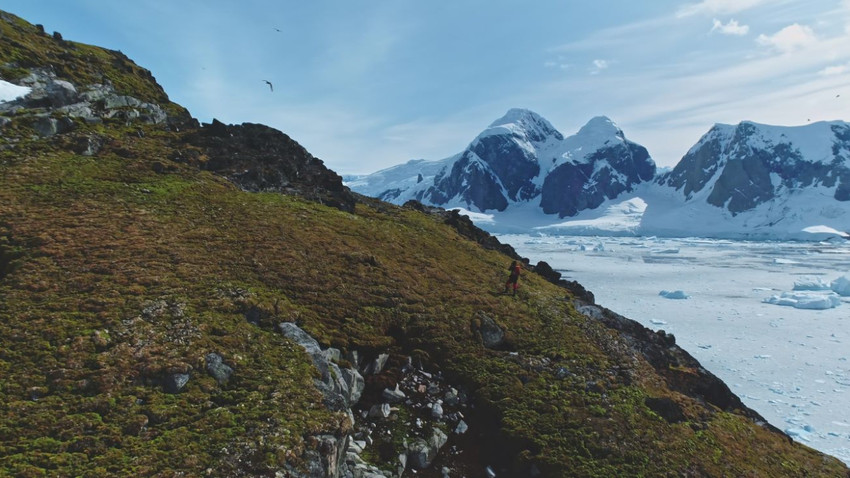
(730, 28)
(789, 38)
(835, 70)
(598, 66)
(715, 7)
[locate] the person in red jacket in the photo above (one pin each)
(514, 277)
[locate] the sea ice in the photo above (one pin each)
(811, 283)
(676, 294)
(841, 286)
(805, 300)
(728, 313)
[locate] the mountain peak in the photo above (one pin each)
(521, 120)
(601, 126)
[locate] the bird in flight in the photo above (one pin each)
(271, 86)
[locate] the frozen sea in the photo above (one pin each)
(791, 365)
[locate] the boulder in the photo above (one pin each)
(393, 395)
(217, 368)
(421, 453)
(61, 93)
(356, 384)
(46, 126)
(491, 334)
(175, 382)
(380, 410)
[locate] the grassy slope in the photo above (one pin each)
(88, 244)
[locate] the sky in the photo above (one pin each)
(368, 84)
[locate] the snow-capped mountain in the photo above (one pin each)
(755, 180)
(739, 181)
(521, 162)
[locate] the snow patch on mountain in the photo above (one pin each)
(11, 92)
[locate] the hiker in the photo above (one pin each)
(514, 269)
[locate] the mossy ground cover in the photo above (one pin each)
(97, 240)
(116, 272)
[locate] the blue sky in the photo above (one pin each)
(367, 84)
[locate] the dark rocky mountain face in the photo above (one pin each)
(505, 167)
(750, 170)
(511, 164)
(472, 181)
(573, 187)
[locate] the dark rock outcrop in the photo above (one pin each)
(260, 158)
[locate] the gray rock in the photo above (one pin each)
(61, 93)
(421, 453)
(332, 384)
(4, 121)
(332, 354)
(113, 102)
(380, 410)
(402, 463)
(46, 126)
(393, 396)
(377, 365)
(461, 427)
(175, 382)
(89, 146)
(356, 384)
(491, 334)
(217, 368)
(309, 344)
(437, 411)
(78, 110)
(450, 398)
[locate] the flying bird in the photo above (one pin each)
(271, 86)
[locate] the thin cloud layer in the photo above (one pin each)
(719, 7)
(730, 28)
(789, 38)
(598, 66)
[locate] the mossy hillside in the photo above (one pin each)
(120, 269)
(100, 239)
